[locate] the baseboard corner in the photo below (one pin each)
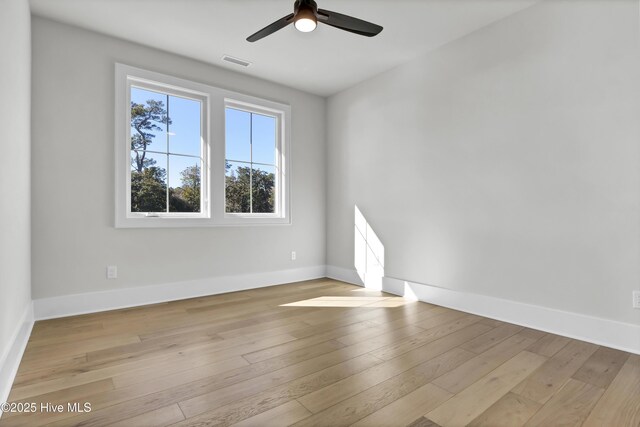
(10, 361)
(344, 275)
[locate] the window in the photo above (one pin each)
(167, 151)
(251, 160)
(189, 154)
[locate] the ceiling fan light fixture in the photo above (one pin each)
(305, 20)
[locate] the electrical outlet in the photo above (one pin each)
(112, 272)
(293, 255)
(636, 299)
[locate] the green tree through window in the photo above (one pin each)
(238, 194)
(251, 163)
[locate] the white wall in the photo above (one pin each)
(15, 216)
(505, 163)
(73, 176)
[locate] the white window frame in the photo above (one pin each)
(280, 206)
(214, 102)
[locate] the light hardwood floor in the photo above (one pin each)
(317, 353)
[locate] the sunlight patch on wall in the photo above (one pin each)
(368, 256)
(408, 292)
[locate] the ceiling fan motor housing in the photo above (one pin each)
(305, 6)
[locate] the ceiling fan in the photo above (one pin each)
(305, 18)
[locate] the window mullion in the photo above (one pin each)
(168, 171)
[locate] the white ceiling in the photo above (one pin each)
(323, 62)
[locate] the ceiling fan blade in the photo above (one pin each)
(348, 23)
(271, 28)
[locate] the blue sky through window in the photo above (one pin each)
(250, 137)
(247, 134)
(182, 136)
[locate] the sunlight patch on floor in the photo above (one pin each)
(368, 292)
(340, 301)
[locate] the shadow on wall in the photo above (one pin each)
(368, 253)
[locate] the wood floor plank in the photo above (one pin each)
(205, 402)
(374, 331)
(159, 418)
(148, 366)
(422, 338)
(290, 346)
(355, 384)
(275, 327)
(620, 404)
(442, 318)
(179, 374)
(602, 367)
(569, 406)
(490, 338)
(406, 409)
(552, 375)
(355, 408)
(549, 345)
(283, 415)
(465, 406)
(28, 374)
(270, 398)
(150, 347)
(45, 329)
(44, 354)
(68, 335)
(410, 317)
(533, 334)
(511, 410)
(97, 374)
(492, 322)
(423, 422)
(474, 369)
(245, 315)
(410, 314)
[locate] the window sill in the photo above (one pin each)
(183, 222)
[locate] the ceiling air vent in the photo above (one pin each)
(236, 61)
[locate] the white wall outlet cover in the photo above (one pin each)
(112, 272)
(293, 256)
(636, 299)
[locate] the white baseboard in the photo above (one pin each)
(344, 275)
(606, 332)
(92, 302)
(10, 360)
(609, 333)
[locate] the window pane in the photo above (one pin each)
(263, 189)
(184, 129)
(263, 140)
(148, 120)
(238, 135)
(238, 199)
(184, 184)
(148, 182)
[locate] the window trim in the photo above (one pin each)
(279, 159)
(213, 211)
